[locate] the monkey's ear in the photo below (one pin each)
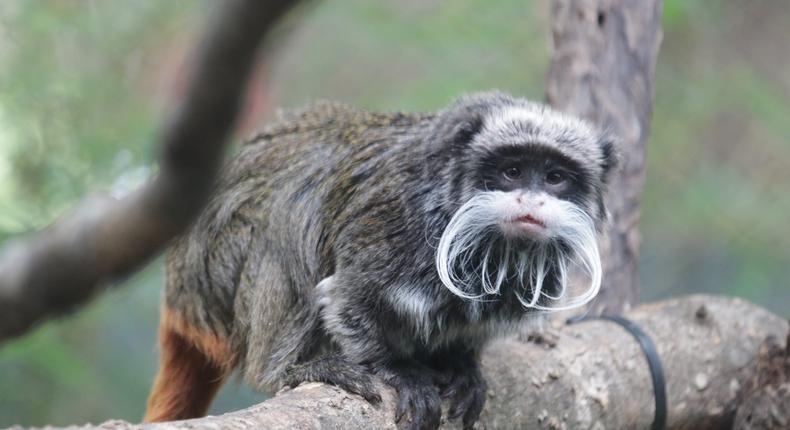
(467, 127)
(464, 118)
(456, 127)
(610, 157)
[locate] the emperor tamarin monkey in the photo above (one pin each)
(343, 245)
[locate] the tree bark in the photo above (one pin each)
(603, 69)
(591, 375)
(103, 240)
(765, 403)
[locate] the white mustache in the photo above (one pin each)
(469, 234)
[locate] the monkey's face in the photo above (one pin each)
(526, 221)
(531, 199)
(535, 187)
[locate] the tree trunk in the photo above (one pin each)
(603, 69)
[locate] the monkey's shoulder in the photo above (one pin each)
(324, 117)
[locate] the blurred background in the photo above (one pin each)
(84, 85)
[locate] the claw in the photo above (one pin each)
(466, 392)
(403, 406)
(418, 397)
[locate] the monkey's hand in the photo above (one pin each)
(338, 371)
(418, 395)
(465, 389)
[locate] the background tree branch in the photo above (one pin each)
(103, 240)
(589, 375)
(603, 69)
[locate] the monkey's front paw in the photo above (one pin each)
(465, 388)
(418, 398)
(338, 371)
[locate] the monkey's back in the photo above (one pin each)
(278, 207)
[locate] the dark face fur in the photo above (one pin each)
(530, 203)
(532, 170)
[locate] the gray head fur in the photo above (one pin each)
(473, 261)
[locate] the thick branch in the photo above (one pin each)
(765, 403)
(103, 239)
(603, 69)
(593, 375)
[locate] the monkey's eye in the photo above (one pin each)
(512, 173)
(555, 177)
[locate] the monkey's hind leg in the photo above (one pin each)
(334, 369)
(193, 364)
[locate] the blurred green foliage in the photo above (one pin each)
(70, 116)
(81, 93)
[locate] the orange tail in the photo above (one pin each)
(193, 365)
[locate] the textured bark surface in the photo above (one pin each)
(103, 239)
(766, 399)
(591, 375)
(603, 69)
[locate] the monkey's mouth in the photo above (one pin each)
(530, 220)
(526, 226)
